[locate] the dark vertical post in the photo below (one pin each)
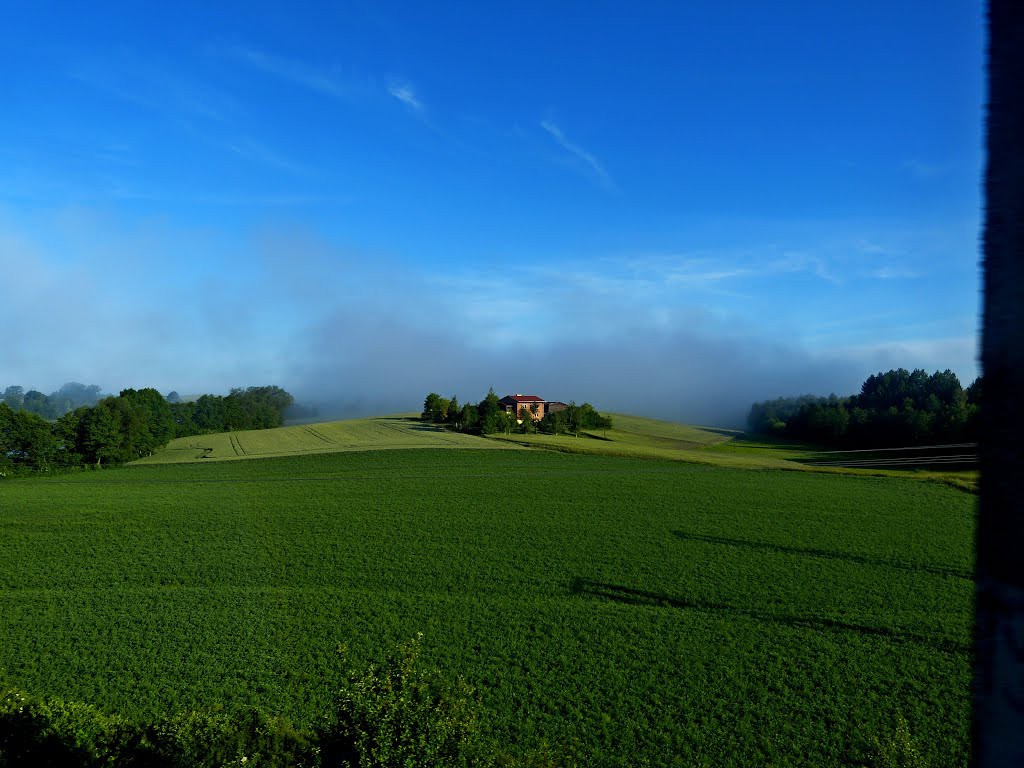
(999, 610)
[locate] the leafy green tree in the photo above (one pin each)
(470, 418)
(431, 405)
(184, 425)
(26, 440)
(173, 397)
(103, 434)
(208, 414)
(14, 396)
(553, 423)
(492, 417)
(70, 433)
(527, 426)
(36, 402)
(440, 415)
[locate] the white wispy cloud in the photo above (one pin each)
(152, 88)
(872, 248)
(288, 69)
(405, 94)
(702, 269)
(579, 153)
(894, 273)
(250, 149)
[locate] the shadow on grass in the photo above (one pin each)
(415, 424)
(734, 433)
(630, 596)
(761, 546)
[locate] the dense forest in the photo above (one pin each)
(896, 408)
(488, 417)
(133, 424)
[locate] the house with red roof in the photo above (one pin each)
(532, 405)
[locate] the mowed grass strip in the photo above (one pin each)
(627, 612)
(381, 433)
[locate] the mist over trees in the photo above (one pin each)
(134, 424)
(70, 396)
(895, 408)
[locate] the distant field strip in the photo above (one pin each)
(958, 454)
(384, 433)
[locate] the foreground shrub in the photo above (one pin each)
(55, 733)
(247, 737)
(897, 749)
(400, 715)
(395, 715)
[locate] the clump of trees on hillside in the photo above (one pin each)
(488, 417)
(895, 408)
(251, 408)
(127, 427)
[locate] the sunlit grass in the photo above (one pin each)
(401, 431)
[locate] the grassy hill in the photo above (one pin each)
(632, 437)
(381, 433)
(638, 437)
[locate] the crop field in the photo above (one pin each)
(623, 611)
(381, 433)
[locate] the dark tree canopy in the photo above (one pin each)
(895, 408)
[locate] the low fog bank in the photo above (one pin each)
(676, 376)
(357, 333)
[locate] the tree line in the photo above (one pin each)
(895, 408)
(488, 417)
(129, 426)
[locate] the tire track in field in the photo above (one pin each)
(319, 436)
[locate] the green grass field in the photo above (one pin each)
(381, 433)
(625, 611)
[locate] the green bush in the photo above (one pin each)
(395, 715)
(246, 737)
(897, 750)
(398, 715)
(55, 733)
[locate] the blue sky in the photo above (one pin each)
(663, 207)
